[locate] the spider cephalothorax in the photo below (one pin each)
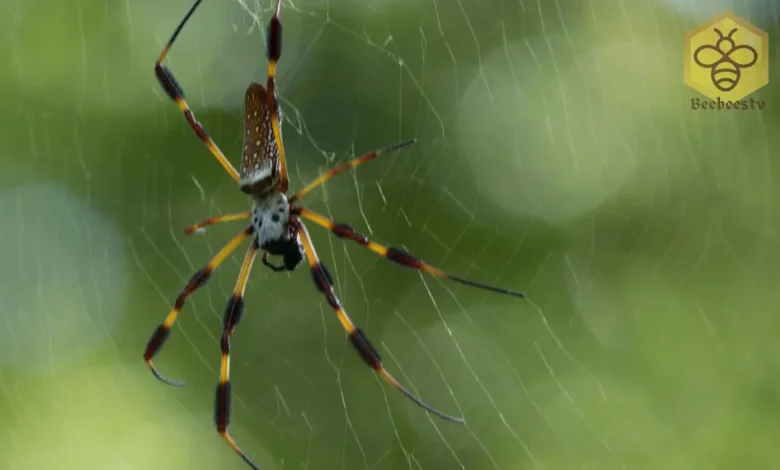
(276, 227)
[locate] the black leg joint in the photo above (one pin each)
(366, 350)
(224, 344)
(273, 38)
(222, 406)
(199, 279)
(168, 82)
(403, 257)
(322, 278)
(156, 341)
(234, 311)
(179, 303)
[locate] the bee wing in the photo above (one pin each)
(744, 55)
(260, 157)
(707, 55)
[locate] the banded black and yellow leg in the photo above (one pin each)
(348, 165)
(201, 226)
(175, 92)
(396, 255)
(233, 313)
(360, 341)
(162, 332)
(274, 53)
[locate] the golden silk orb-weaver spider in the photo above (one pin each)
(276, 226)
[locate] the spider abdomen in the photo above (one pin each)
(270, 218)
(275, 234)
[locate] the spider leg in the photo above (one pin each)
(175, 92)
(360, 341)
(395, 255)
(234, 310)
(274, 267)
(161, 333)
(274, 53)
(201, 226)
(346, 166)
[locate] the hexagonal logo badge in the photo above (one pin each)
(727, 58)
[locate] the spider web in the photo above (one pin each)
(555, 155)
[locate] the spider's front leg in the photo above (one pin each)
(175, 92)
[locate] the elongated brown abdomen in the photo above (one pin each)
(260, 170)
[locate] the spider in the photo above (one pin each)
(276, 226)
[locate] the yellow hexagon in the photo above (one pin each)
(726, 58)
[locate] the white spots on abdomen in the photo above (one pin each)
(270, 217)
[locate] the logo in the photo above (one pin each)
(726, 59)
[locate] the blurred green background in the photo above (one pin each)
(557, 154)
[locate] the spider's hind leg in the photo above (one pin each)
(232, 316)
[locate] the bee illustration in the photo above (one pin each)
(725, 59)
